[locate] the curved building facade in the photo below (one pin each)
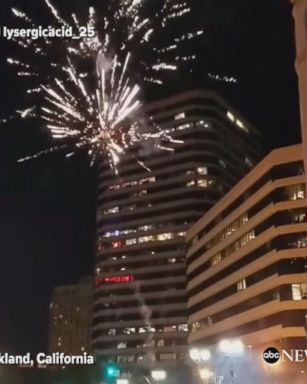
(140, 301)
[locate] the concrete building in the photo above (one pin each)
(300, 16)
(70, 317)
(247, 260)
(140, 303)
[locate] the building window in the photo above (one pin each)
(114, 187)
(195, 240)
(180, 116)
(131, 241)
(184, 126)
(112, 332)
(146, 228)
(299, 291)
(216, 259)
(230, 116)
(165, 236)
(146, 239)
(296, 192)
(202, 183)
(147, 180)
(202, 170)
(111, 210)
(122, 346)
(241, 285)
(191, 183)
(183, 328)
(160, 343)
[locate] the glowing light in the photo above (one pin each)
(99, 110)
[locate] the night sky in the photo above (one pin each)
(47, 206)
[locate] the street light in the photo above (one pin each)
(231, 348)
(158, 375)
(205, 374)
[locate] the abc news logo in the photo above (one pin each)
(273, 355)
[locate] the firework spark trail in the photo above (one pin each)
(100, 109)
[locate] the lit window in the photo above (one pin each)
(146, 227)
(147, 180)
(184, 126)
(129, 184)
(146, 239)
(160, 343)
(300, 217)
(202, 123)
(190, 183)
(296, 192)
(122, 346)
(114, 187)
(172, 260)
(180, 116)
(216, 259)
(202, 170)
(241, 285)
(202, 183)
(165, 236)
(131, 241)
(129, 331)
(142, 330)
(302, 242)
(296, 292)
(230, 116)
(111, 210)
(117, 244)
(183, 328)
(240, 124)
(112, 332)
(181, 234)
(143, 193)
(123, 269)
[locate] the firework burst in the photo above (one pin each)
(91, 93)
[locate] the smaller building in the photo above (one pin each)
(247, 260)
(70, 317)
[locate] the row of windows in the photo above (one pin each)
(278, 172)
(142, 228)
(238, 122)
(293, 192)
(298, 292)
(133, 330)
(241, 242)
(141, 240)
(229, 230)
(141, 358)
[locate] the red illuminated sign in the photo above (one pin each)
(114, 279)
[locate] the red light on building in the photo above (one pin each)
(117, 244)
(114, 280)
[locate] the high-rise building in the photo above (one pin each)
(70, 317)
(247, 260)
(300, 16)
(140, 303)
